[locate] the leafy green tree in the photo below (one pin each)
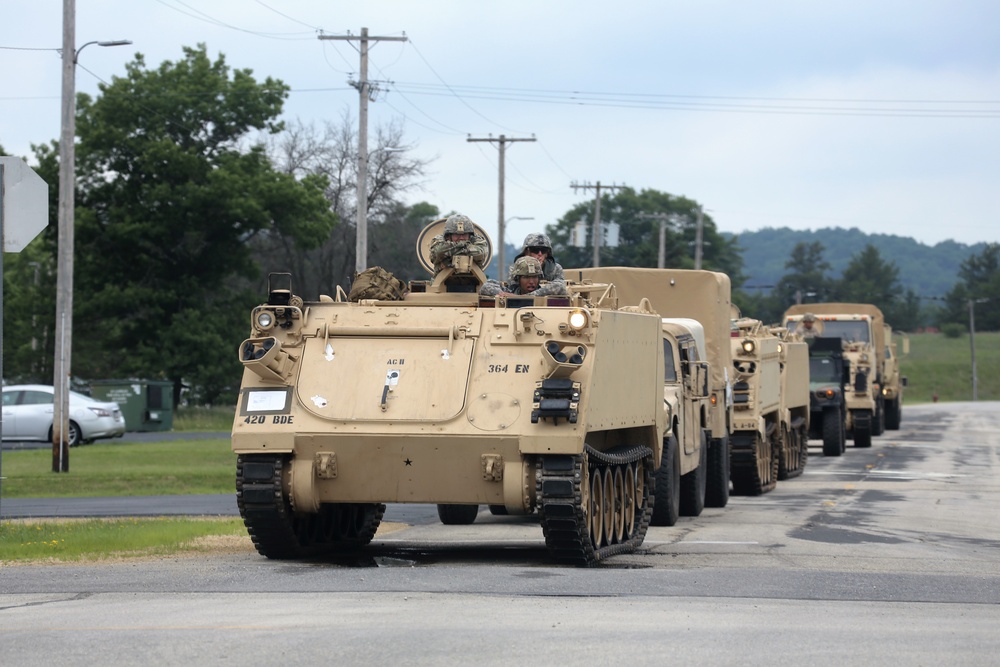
(638, 217)
(869, 278)
(172, 193)
(979, 282)
(806, 280)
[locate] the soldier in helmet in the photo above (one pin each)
(807, 327)
(537, 245)
(526, 275)
(459, 238)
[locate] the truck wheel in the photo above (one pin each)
(457, 515)
(893, 414)
(498, 510)
(878, 422)
(717, 485)
(693, 483)
(863, 428)
(666, 507)
(833, 433)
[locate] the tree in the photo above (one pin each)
(979, 281)
(331, 152)
(171, 195)
(636, 214)
(806, 279)
(870, 279)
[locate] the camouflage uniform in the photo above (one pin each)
(810, 332)
(524, 266)
(443, 248)
(552, 271)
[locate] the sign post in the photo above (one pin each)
(24, 213)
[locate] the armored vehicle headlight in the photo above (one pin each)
(578, 319)
(748, 346)
(265, 320)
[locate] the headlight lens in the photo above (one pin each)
(578, 319)
(265, 320)
(748, 346)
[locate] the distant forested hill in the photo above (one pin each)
(927, 270)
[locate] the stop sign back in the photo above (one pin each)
(24, 204)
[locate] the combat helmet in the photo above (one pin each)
(526, 266)
(459, 224)
(808, 317)
(536, 240)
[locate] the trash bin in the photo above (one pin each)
(147, 405)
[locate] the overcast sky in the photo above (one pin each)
(877, 114)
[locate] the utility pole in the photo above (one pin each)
(365, 92)
(972, 344)
(661, 260)
(698, 240)
(62, 363)
(502, 142)
(596, 234)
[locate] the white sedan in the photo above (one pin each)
(28, 409)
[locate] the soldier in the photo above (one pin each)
(459, 238)
(538, 246)
(807, 327)
(525, 280)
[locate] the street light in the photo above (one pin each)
(502, 241)
(64, 271)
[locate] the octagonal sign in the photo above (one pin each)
(24, 204)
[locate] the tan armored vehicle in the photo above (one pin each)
(892, 382)
(703, 296)
(861, 327)
(685, 395)
(548, 404)
(770, 422)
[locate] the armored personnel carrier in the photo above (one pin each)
(550, 404)
(770, 424)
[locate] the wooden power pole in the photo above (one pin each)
(596, 234)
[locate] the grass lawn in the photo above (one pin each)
(128, 469)
(943, 366)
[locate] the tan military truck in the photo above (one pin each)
(703, 296)
(861, 326)
(550, 404)
(686, 397)
(770, 421)
(892, 381)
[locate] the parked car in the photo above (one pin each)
(28, 408)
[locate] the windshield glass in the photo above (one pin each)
(853, 331)
(823, 369)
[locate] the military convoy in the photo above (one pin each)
(870, 360)
(602, 411)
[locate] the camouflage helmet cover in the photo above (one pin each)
(808, 317)
(537, 240)
(458, 224)
(527, 266)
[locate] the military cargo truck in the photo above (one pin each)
(829, 379)
(770, 421)
(892, 382)
(861, 326)
(704, 296)
(685, 395)
(548, 404)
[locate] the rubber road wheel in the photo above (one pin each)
(666, 507)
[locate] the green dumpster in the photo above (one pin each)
(147, 405)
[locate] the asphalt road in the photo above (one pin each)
(887, 555)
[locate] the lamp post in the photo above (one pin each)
(64, 271)
(502, 242)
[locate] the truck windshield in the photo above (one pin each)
(823, 369)
(669, 370)
(853, 331)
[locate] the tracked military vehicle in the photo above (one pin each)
(862, 328)
(770, 422)
(547, 404)
(703, 296)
